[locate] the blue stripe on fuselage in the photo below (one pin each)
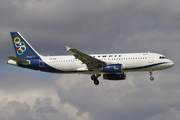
(144, 67)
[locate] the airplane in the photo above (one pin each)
(111, 66)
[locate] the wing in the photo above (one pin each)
(91, 62)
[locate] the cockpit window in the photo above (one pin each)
(162, 57)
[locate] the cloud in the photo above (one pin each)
(171, 113)
(135, 98)
(15, 111)
(76, 97)
(42, 110)
(34, 99)
(57, 23)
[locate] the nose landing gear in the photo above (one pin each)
(151, 77)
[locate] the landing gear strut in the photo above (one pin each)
(151, 77)
(95, 79)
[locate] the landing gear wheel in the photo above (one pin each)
(93, 77)
(96, 82)
(151, 78)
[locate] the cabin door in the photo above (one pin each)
(150, 58)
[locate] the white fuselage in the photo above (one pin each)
(131, 62)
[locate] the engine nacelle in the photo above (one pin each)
(117, 76)
(112, 68)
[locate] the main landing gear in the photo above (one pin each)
(95, 79)
(151, 77)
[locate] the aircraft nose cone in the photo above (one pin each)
(171, 63)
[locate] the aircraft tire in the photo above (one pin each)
(96, 82)
(93, 77)
(151, 78)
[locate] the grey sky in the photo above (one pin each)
(96, 26)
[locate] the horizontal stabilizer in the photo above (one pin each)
(18, 60)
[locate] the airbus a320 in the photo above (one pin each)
(110, 66)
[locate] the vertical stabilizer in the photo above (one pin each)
(22, 48)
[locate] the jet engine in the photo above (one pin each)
(112, 68)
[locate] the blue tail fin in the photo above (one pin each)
(22, 48)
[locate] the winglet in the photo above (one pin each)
(68, 48)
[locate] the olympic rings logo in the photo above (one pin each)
(20, 46)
